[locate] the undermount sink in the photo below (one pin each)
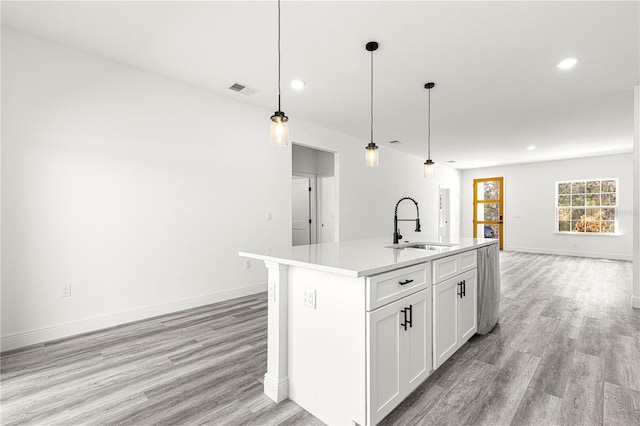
(421, 246)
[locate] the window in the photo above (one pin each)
(587, 206)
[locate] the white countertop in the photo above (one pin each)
(361, 258)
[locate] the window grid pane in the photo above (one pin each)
(587, 206)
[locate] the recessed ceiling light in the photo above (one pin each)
(531, 147)
(297, 84)
(567, 63)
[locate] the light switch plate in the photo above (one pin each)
(272, 292)
(65, 290)
(310, 297)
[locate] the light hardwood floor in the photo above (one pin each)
(566, 351)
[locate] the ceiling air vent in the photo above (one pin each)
(395, 142)
(241, 88)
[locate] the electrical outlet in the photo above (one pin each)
(247, 264)
(65, 290)
(310, 298)
(268, 216)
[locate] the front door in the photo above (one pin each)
(488, 206)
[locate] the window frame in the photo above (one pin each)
(600, 206)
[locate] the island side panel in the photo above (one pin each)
(276, 382)
(327, 356)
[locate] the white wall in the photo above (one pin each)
(139, 191)
(635, 298)
(529, 210)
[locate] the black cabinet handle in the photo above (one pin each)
(405, 282)
(460, 289)
(405, 323)
(464, 288)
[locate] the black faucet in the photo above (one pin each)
(396, 230)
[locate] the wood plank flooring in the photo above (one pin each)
(566, 351)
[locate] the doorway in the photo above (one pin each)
(444, 215)
(314, 202)
(488, 208)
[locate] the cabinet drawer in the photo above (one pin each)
(393, 285)
(449, 267)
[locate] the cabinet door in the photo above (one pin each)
(416, 350)
(445, 321)
(384, 392)
(468, 311)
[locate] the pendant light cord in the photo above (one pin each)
(279, 106)
(429, 129)
(372, 96)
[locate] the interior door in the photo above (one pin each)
(327, 213)
(488, 207)
(444, 227)
(301, 212)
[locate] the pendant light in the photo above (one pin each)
(279, 127)
(371, 154)
(429, 165)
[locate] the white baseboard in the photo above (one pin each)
(33, 337)
(635, 302)
(595, 255)
(277, 390)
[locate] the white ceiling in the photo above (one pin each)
(497, 88)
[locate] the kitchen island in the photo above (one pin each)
(355, 326)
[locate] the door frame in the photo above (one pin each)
(500, 201)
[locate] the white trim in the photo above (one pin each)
(276, 380)
(595, 255)
(277, 390)
(635, 300)
(33, 337)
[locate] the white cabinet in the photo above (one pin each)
(455, 314)
(347, 358)
(468, 312)
(446, 338)
(399, 352)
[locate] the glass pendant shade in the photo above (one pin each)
(279, 129)
(371, 155)
(429, 168)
